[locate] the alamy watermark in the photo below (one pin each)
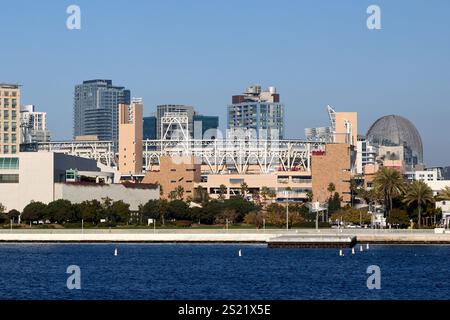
(374, 20)
(74, 280)
(73, 21)
(374, 280)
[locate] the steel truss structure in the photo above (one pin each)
(218, 155)
(101, 151)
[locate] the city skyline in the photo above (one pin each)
(318, 55)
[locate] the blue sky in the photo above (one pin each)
(200, 52)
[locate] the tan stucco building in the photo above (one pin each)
(130, 138)
(174, 172)
(334, 165)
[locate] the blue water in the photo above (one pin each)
(149, 271)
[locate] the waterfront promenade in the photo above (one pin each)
(218, 235)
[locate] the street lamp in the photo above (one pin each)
(287, 210)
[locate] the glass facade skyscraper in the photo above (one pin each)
(149, 131)
(205, 123)
(96, 109)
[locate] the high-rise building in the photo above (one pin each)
(172, 118)
(259, 113)
(96, 109)
(9, 118)
(180, 122)
(150, 128)
(33, 125)
(130, 137)
(205, 124)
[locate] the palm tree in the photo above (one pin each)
(179, 192)
(390, 183)
(331, 188)
(244, 189)
(201, 194)
(419, 193)
(222, 191)
(444, 194)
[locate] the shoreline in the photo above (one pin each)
(174, 236)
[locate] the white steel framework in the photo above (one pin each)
(219, 156)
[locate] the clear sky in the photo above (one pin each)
(200, 52)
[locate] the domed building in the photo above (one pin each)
(394, 130)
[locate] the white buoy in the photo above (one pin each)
(240, 253)
(367, 246)
(361, 248)
(116, 253)
(341, 253)
(353, 250)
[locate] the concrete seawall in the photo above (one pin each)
(215, 236)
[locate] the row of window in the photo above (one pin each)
(7, 149)
(6, 102)
(8, 94)
(9, 163)
(6, 126)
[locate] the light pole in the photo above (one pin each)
(82, 225)
(287, 210)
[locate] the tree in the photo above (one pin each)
(150, 210)
(390, 183)
(444, 194)
(178, 210)
(201, 194)
(91, 211)
(334, 203)
(331, 188)
(119, 212)
(418, 193)
(34, 211)
(255, 218)
(59, 211)
(3, 216)
(399, 217)
(244, 189)
(222, 192)
(173, 195)
(13, 215)
(352, 215)
(180, 192)
(240, 206)
(116, 211)
(353, 190)
(163, 206)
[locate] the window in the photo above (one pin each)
(5, 138)
(9, 178)
(5, 149)
(188, 170)
(13, 149)
(9, 163)
(173, 170)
